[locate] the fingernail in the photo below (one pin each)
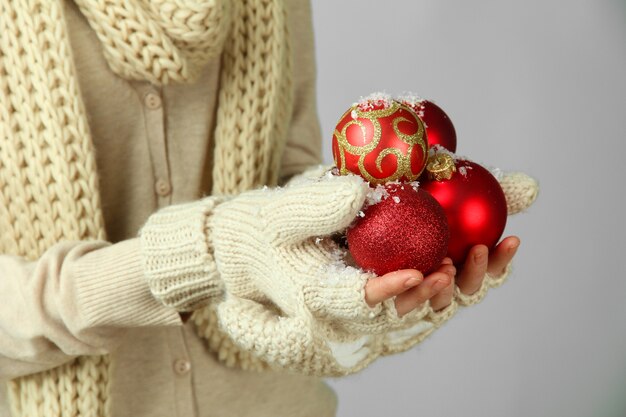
(411, 282)
(450, 270)
(480, 257)
(440, 285)
(514, 246)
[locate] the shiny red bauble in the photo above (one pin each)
(380, 140)
(474, 203)
(439, 127)
(407, 229)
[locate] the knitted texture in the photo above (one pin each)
(161, 41)
(289, 300)
(48, 178)
(255, 104)
(520, 191)
(178, 259)
(48, 182)
(255, 98)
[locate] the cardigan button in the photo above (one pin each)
(152, 101)
(163, 187)
(182, 366)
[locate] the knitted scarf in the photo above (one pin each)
(48, 176)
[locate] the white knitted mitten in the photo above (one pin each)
(282, 291)
(178, 257)
(290, 299)
(279, 282)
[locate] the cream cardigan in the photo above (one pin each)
(49, 192)
(50, 177)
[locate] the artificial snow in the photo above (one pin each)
(414, 101)
(411, 98)
(438, 149)
(376, 195)
(373, 100)
(337, 273)
(496, 172)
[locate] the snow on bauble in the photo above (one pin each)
(439, 127)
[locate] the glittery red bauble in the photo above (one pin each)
(475, 206)
(439, 127)
(380, 141)
(407, 229)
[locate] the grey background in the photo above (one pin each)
(536, 86)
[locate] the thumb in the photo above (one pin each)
(316, 208)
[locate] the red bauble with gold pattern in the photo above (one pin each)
(406, 229)
(439, 127)
(382, 141)
(473, 200)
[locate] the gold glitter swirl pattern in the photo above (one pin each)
(404, 163)
(415, 139)
(403, 167)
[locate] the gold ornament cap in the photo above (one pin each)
(440, 167)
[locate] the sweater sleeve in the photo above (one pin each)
(77, 299)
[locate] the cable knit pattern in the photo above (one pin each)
(48, 182)
(255, 99)
(48, 177)
(160, 41)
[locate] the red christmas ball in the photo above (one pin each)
(439, 127)
(406, 229)
(473, 200)
(381, 140)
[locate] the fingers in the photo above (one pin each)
(474, 269)
(318, 208)
(480, 262)
(444, 297)
(389, 285)
(502, 255)
(432, 285)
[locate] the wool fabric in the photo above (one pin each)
(48, 179)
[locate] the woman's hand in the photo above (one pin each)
(412, 289)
